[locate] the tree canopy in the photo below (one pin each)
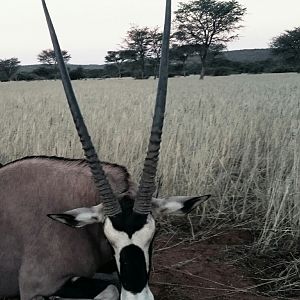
(119, 57)
(9, 67)
(204, 23)
(181, 54)
(48, 57)
(146, 44)
(154, 52)
(138, 40)
(287, 46)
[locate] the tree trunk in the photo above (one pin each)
(143, 67)
(184, 68)
(156, 70)
(119, 71)
(55, 71)
(202, 74)
(203, 62)
(6, 72)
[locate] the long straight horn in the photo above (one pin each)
(111, 205)
(146, 189)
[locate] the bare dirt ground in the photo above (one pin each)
(192, 270)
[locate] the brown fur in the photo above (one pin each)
(37, 255)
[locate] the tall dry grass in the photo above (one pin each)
(236, 137)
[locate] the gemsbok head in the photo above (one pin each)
(117, 220)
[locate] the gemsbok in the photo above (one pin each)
(39, 256)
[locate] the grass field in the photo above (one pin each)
(236, 137)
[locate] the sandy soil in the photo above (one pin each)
(190, 270)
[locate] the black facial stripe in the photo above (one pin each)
(128, 221)
(133, 270)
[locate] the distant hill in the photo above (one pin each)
(248, 55)
(242, 56)
(30, 68)
(245, 55)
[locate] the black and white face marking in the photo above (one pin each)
(131, 236)
(132, 249)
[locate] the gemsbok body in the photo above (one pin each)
(109, 216)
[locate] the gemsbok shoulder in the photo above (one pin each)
(115, 217)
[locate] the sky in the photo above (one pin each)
(89, 28)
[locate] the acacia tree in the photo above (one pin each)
(154, 52)
(9, 67)
(287, 46)
(181, 54)
(48, 57)
(118, 58)
(138, 40)
(203, 23)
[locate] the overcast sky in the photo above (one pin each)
(88, 28)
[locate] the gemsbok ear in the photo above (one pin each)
(80, 217)
(177, 205)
